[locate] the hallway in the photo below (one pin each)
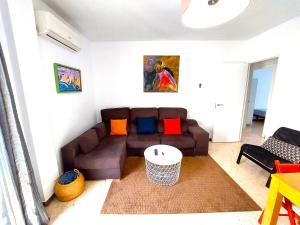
(253, 134)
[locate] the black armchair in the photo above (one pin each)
(265, 158)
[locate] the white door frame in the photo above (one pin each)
(251, 102)
(270, 62)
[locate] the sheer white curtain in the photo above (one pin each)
(10, 208)
(20, 200)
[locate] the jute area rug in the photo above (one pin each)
(203, 187)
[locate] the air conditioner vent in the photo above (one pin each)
(53, 28)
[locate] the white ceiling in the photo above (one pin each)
(139, 20)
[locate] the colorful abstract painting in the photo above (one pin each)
(161, 73)
(67, 79)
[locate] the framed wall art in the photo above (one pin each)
(67, 79)
(161, 73)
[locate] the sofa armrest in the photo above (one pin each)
(201, 137)
(69, 152)
(100, 129)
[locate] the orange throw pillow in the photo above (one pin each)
(118, 127)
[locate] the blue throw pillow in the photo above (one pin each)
(145, 125)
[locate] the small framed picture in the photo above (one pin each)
(67, 79)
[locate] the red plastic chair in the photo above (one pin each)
(293, 216)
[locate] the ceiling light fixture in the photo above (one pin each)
(212, 2)
(210, 13)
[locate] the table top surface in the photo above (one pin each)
(167, 155)
(292, 179)
(290, 183)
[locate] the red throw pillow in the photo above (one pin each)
(172, 126)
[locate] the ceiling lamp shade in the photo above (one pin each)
(210, 13)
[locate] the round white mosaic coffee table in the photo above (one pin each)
(163, 164)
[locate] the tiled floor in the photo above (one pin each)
(86, 208)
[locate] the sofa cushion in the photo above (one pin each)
(183, 125)
(172, 126)
(113, 139)
(282, 149)
(142, 141)
(133, 129)
(143, 112)
(288, 135)
(88, 140)
(261, 156)
(146, 125)
(100, 129)
(107, 154)
(184, 141)
(172, 113)
(118, 127)
(114, 113)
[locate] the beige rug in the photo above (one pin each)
(203, 187)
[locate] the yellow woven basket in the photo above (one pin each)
(67, 192)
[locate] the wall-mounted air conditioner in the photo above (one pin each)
(51, 27)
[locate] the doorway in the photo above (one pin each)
(259, 91)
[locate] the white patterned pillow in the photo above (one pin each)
(282, 149)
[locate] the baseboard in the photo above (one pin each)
(49, 200)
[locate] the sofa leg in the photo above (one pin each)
(239, 157)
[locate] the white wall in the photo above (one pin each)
(22, 54)
(49, 120)
(11, 59)
(70, 113)
(264, 79)
(118, 75)
(118, 68)
(282, 41)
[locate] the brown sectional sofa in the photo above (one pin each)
(100, 156)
